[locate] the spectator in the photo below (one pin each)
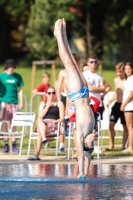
(45, 84)
(127, 104)
(95, 81)
(84, 67)
(11, 82)
(116, 113)
(49, 114)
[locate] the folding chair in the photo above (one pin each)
(98, 122)
(20, 120)
(34, 136)
(72, 126)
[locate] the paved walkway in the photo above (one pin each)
(8, 159)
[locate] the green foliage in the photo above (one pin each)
(39, 33)
(110, 27)
(14, 17)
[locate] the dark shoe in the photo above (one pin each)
(14, 148)
(5, 149)
(44, 141)
(33, 158)
(107, 149)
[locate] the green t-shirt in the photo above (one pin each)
(9, 87)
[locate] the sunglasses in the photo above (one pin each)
(93, 61)
(50, 93)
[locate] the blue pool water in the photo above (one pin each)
(59, 181)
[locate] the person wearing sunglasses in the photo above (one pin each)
(50, 113)
(79, 95)
(97, 86)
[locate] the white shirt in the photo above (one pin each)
(128, 87)
(95, 80)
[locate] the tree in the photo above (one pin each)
(13, 18)
(39, 33)
(119, 24)
(106, 27)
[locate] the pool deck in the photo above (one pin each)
(8, 159)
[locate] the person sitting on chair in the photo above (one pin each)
(79, 94)
(50, 113)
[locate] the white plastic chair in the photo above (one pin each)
(21, 120)
(72, 126)
(34, 136)
(97, 148)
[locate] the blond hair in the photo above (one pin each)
(119, 66)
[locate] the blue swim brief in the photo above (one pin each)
(74, 96)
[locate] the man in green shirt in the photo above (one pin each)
(11, 86)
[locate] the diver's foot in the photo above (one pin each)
(58, 28)
(82, 177)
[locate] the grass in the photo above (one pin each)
(109, 76)
(51, 148)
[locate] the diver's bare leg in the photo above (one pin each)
(71, 69)
(64, 34)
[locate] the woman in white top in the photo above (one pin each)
(127, 105)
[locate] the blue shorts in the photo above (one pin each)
(74, 96)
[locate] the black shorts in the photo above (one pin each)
(63, 99)
(116, 113)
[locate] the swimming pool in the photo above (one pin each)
(59, 181)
